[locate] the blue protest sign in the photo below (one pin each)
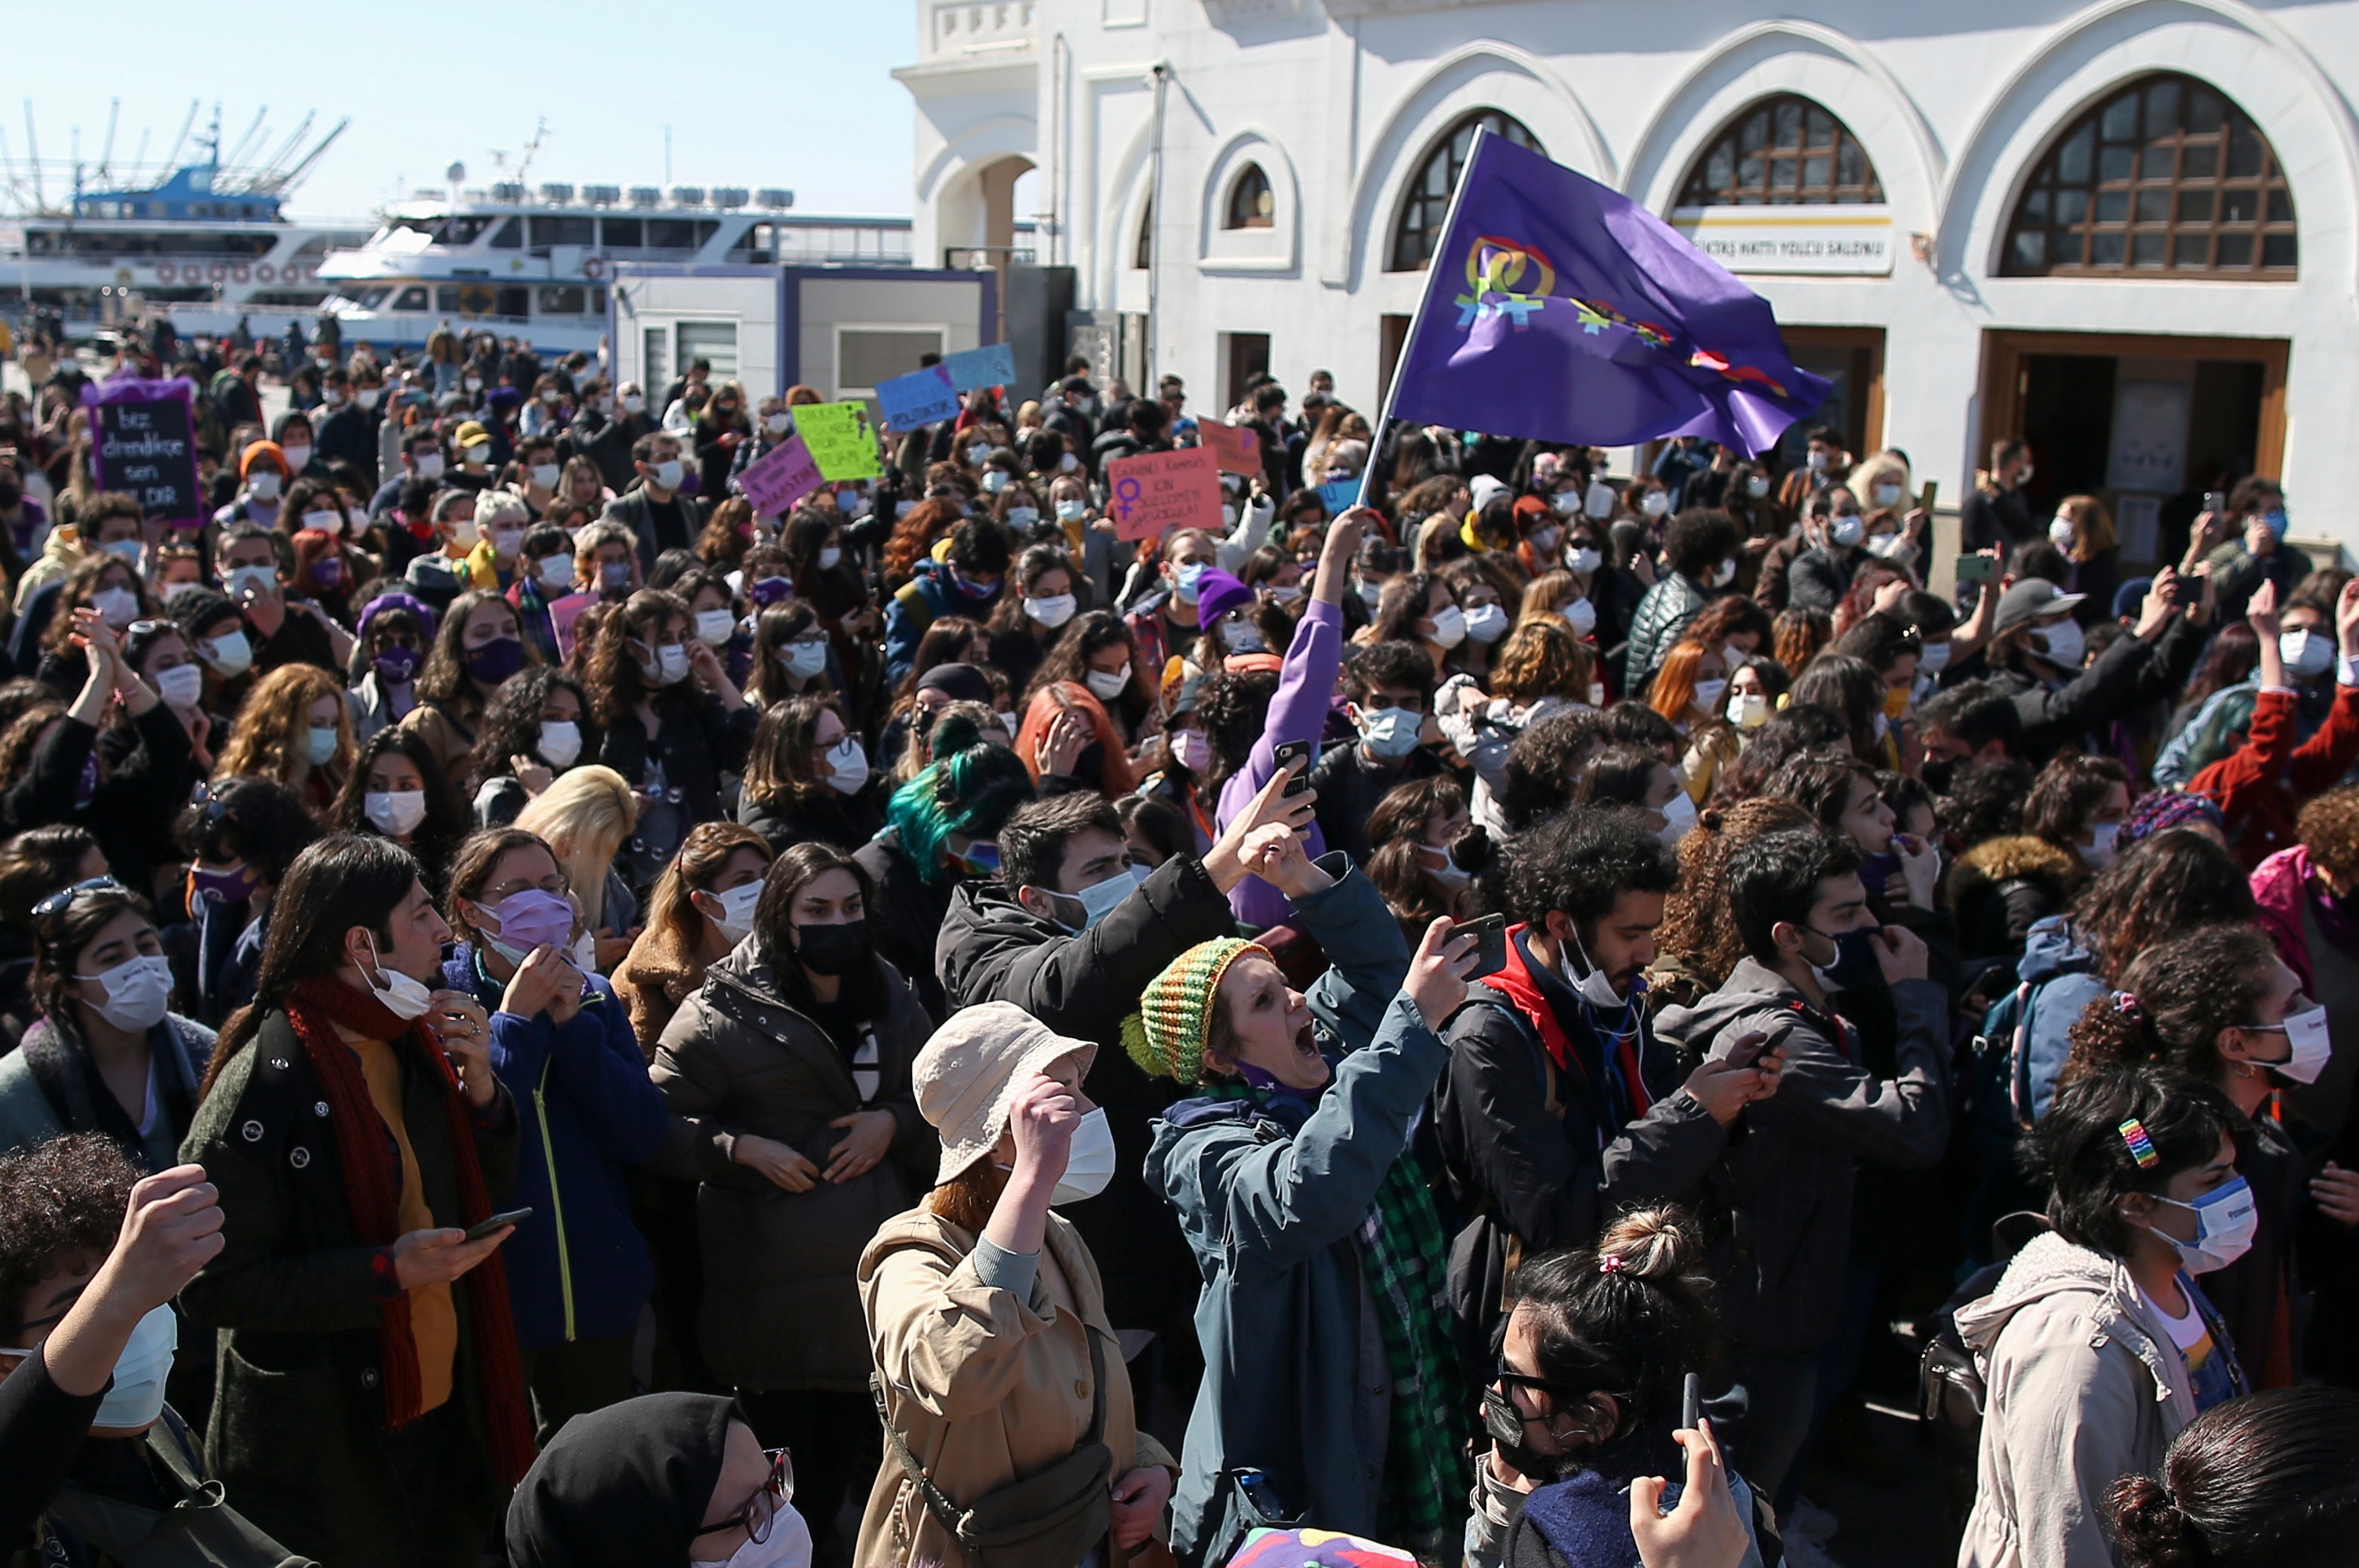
(992, 365)
(920, 398)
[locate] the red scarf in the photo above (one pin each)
(371, 1169)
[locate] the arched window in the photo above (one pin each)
(1418, 229)
(2166, 178)
(1142, 254)
(1251, 204)
(1784, 151)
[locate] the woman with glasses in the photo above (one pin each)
(807, 778)
(578, 1271)
(653, 1482)
(66, 775)
(107, 1054)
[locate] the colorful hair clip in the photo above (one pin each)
(2141, 1147)
(1612, 1263)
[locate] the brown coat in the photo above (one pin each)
(781, 1308)
(653, 980)
(984, 1389)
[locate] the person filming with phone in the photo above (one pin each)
(371, 1410)
(1329, 1368)
(1559, 1106)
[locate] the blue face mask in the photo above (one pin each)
(1101, 898)
(2275, 520)
(1191, 579)
(1390, 733)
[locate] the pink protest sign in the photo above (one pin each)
(1237, 449)
(563, 613)
(1150, 494)
(780, 477)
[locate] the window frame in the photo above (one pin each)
(1701, 188)
(1252, 201)
(1421, 211)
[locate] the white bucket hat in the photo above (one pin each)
(967, 1074)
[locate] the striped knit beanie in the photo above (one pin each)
(1166, 1036)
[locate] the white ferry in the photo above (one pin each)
(204, 244)
(536, 264)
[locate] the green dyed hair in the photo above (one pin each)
(970, 789)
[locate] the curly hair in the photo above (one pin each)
(615, 676)
(1698, 928)
(23, 735)
(1545, 763)
(1798, 633)
(1580, 862)
(2173, 882)
(1789, 732)
(2174, 1000)
(1541, 659)
(1088, 635)
(62, 1206)
(913, 537)
(2067, 791)
(2329, 828)
(1232, 712)
(269, 741)
(511, 722)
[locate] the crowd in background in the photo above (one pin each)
(548, 1012)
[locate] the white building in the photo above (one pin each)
(2129, 230)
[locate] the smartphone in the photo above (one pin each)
(1296, 751)
(1692, 1401)
(1490, 934)
(2216, 502)
(1925, 498)
(514, 1216)
(1974, 568)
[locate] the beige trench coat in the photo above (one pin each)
(984, 1388)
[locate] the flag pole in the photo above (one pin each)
(1416, 319)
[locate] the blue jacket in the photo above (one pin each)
(577, 1268)
(1271, 1194)
(920, 602)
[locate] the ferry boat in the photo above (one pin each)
(536, 265)
(206, 241)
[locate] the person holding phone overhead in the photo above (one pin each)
(1315, 1231)
(371, 1410)
(1560, 1105)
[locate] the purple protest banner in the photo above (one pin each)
(780, 477)
(144, 443)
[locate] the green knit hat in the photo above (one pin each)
(1166, 1036)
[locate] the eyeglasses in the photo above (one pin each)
(761, 1509)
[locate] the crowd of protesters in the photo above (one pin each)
(548, 1013)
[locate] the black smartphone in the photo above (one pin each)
(1490, 934)
(2215, 502)
(1691, 1403)
(1974, 568)
(1295, 751)
(514, 1216)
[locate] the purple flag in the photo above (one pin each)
(1557, 309)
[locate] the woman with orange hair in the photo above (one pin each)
(1065, 733)
(1691, 686)
(295, 728)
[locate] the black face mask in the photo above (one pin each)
(1937, 773)
(1855, 964)
(833, 949)
(1504, 1424)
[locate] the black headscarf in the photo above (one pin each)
(625, 1486)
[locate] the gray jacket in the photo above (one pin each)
(2083, 1386)
(1783, 1193)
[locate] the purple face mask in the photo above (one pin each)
(531, 918)
(773, 590)
(222, 886)
(396, 665)
(496, 660)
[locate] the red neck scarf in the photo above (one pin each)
(371, 1169)
(1523, 989)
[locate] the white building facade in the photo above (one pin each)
(2128, 230)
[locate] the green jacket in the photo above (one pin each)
(297, 1430)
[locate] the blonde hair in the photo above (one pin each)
(1884, 465)
(270, 739)
(583, 818)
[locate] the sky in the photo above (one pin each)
(794, 94)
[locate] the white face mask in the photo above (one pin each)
(230, 655)
(428, 465)
(1582, 614)
(1090, 1161)
(806, 659)
(476, 456)
(395, 811)
(1747, 710)
(1679, 816)
(1371, 594)
(667, 473)
(1105, 685)
(505, 542)
(2060, 532)
(299, 458)
(1846, 529)
(545, 475)
(1565, 502)
(829, 556)
(1888, 495)
(1191, 749)
(2306, 1033)
(1656, 504)
(1023, 516)
(465, 533)
(1449, 627)
(181, 686)
(2307, 655)
(1487, 623)
(737, 911)
(670, 666)
(2065, 644)
(402, 996)
(561, 742)
(776, 423)
(789, 1545)
(262, 485)
(1600, 501)
(1758, 486)
(1072, 511)
(118, 607)
(847, 766)
(1727, 573)
(1051, 610)
(1934, 658)
(138, 992)
(556, 572)
(326, 522)
(2099, 849)
(1708, 694)
(1069, 463)
(135, 1399)
(716, 628)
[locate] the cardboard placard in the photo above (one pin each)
(145, 447)
(563, 613)
(840, 438)
(780, 477)
(922, 398)
(1237, 449)
(1152, 494)
(992, 365)
(1339, 496)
